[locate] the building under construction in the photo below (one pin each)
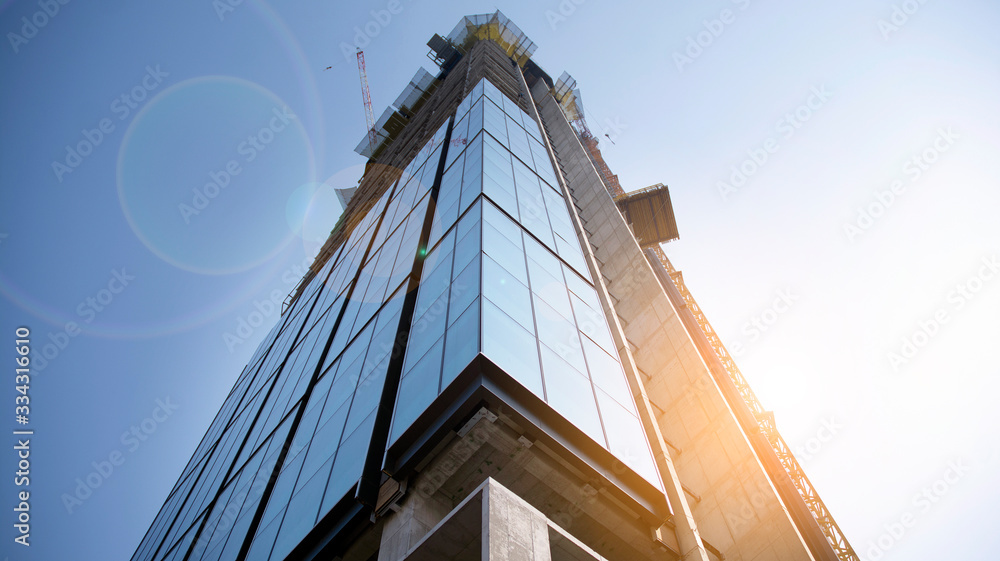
(492, 359)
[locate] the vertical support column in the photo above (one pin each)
(512, 529)
(405, 527)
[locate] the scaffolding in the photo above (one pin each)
(445, 52)
(494, 27)
(650, 214)
(395, 117)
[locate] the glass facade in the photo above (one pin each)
(505, 270)
(478, 217)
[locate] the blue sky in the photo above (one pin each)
(166, 169)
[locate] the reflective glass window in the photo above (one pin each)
(511, 347)
(570, 393)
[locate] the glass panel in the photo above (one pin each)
(494, 122)
(417, 389)
(540, 158)
(367, 398)
(426, 329)
(507, 227)
(468, 247)
(303, 434)
(559, 217)
(518, 142)
(282, 490)
(461, 343)
(472, 177)
(300, 516)
(569, 392)
(627, 439)
(569, 252)
(324, 441)
(491, 91)
(550, 288)
(446, 209)
(459, 140)
(511, 347)
(607, 374)
(500, 287)
(559, 334)
(594, 325)
(464, 106)
(340, 393)
(510, 107)
(581, 288)
(532, 128)
(260, 550)
(464, 289)
(476, 119)
(507, 254)
(238, 533)
(496, 164)
(347, 467)
(436, 280)
(500, 192)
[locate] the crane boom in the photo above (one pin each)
(367, 99)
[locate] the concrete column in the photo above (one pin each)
(404, 528)
(512, 529)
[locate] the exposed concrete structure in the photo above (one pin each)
(736, 501)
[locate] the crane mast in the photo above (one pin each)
(367, 99)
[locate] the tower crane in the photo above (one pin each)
(367, 99)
